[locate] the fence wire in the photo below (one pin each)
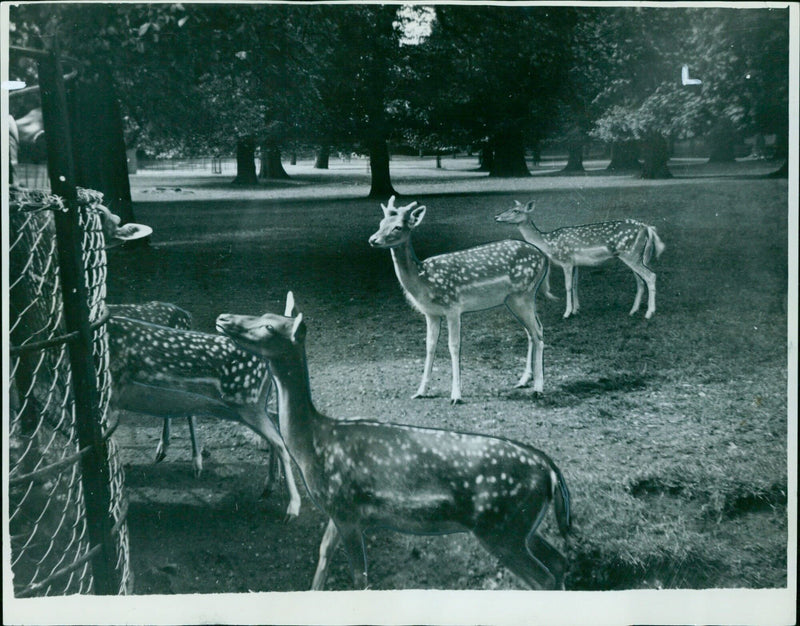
(50, 548)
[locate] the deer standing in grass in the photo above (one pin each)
(170, 373)
(366, 474)
(630, 241)
(171, 316)
(445, 286)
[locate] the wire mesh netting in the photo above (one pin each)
(50, 548)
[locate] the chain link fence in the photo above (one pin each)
(51, 549)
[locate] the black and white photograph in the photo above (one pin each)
(388, 313)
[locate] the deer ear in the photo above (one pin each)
(517, 203)
(415, 217)
(529, 206)
(289, 305)
(298, 329)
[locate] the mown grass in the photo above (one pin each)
(671, 432)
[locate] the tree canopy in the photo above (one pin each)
(204, 78)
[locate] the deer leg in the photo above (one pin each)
(264, 426)
(353, 542)
(163, 443)
(514, 543)
(647, 275)
(197, 459)
(575, 304)
(433, 324)
(329, 542)
(454, 343)
(544, 552)
(523, 307)
(568, 287)
(637, 301)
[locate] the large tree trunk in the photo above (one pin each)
(624, 157)
(655, 154)
(509, 155)
(323, 156)
(245, 162)
(722, 140)
(574, 158)
(271, 166)
(379, 167)
(486, 159)
(98, 142)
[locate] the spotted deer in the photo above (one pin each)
(367, 474)
(172, 316)
(171, 373)
(445, 286)
(589, 245)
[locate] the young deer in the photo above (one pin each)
(169, 373)
(366, 474)
(171, 316)
(445, 286)
(631, 241)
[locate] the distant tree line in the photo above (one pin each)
(498, 80)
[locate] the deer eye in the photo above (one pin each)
(270, 329)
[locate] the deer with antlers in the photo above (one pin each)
(589, 245)
(366, 474)
(445, 286)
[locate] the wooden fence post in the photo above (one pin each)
(95, 468)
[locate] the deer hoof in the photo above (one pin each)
(455, 401)
(648, 315)
(160, 454)
(538, 395)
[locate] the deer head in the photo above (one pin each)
(396, 225)
(518, 214)
(268, 336)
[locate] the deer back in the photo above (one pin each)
(422, 479)
(514, 264)
(183, 359)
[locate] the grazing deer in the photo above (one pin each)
(631, 241)
(366, 474)
(171, 316)
(169, 373)
(445, 286)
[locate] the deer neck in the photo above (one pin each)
(533, 235)
(408, 268)
(295, 408)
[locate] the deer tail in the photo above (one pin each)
(653, 242)
(561, 500)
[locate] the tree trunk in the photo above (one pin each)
(438, 160)
(509, 155)
(323, 156)
(486, 159)
(624, 157)
(294, 158)
(379, 167)
(245, 162)
(536, 153)
(723, 142)
(98, 142)
(655, 154)
(271, 158)
(574, 158)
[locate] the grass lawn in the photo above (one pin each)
(671, 432)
